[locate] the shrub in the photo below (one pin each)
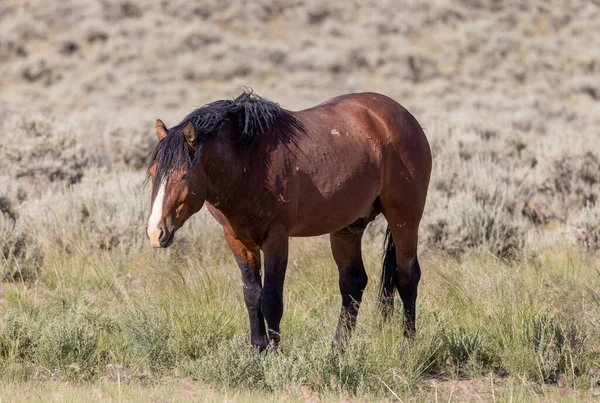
(103, 212)
(20, 255)
(466, 224)
(577, 178)
(64, 335)
(44, 152)
(41, 150)
(586, 227)
(539, 346)
(572, 182)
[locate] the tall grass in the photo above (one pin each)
(181, 312)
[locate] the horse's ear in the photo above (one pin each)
(161, 129)
(190, 134)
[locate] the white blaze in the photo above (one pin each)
(154, 220)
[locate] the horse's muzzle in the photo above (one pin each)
(160, 237)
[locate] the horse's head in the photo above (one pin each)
(221, 128)
(178, 182)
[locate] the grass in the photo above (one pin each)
(165, 316)
(168, 390)
(186, 389)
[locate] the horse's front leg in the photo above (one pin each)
(275, 249)
(346, 248)
(248, 259)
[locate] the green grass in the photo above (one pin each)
(154, 317)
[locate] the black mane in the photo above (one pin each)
(255, 116)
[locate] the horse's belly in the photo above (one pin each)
(320, 222)
(334, 203)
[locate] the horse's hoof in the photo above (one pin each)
(273, 348)
(338, 345)
(409, 334)
(261, 344)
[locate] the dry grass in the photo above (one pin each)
(98, 307)
(509, 95)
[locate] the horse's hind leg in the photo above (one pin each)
(408, 272)
(346, 248)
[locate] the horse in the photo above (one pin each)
(267, 174)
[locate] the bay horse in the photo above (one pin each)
(267, 174)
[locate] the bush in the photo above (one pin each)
(42, 150)
(104, 212)
(538, 345)
(43, 153)
(66, 335)
(467, 224)
(577, 178)
(20, 255)
(586, 227)
(572, 182)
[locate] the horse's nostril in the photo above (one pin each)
(162, 234)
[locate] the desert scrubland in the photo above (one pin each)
(508, 93)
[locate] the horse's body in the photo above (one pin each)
(328, 169)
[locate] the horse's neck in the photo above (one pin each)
(232, 177)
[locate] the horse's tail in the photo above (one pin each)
(388, 275)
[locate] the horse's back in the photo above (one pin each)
(389, 130)
(357, 147)
(383, 117)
